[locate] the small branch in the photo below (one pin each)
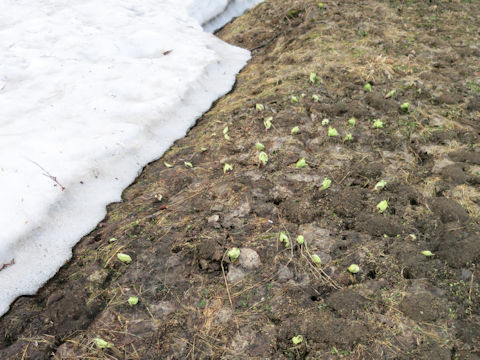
(47, 174)
(4, 266)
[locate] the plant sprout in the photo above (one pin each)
(315, 98)
(102, 344)
(413, 236)
(293, 99)
(263, 158)
(326, 184)
(325, 122)
(124, 258)
(313, 78)
(188, 164)
(368, 87)
(259, 146)
(332, 132)
(316, 259)
(167, 164)
(348, 137)
(427, 253)
(390, 94)
(260, 107)
(225, 134)
(382, 206)
(133, 300)
(352, 121)
(284, 238)
(111, 240)
(203, 149)
(233, 254)
(227, 167)
(301, 163)
(380, 185)
(300, 240)
(268, 122)
(297, 340)
(354, 268)
(377, 124)
(405, 106)
(295, 130)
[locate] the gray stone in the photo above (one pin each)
(235, 274)
(249, 259)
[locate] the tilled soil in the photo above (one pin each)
(416, 293)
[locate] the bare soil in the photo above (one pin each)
(195, 303)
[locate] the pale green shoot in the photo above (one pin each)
(354, 268)
(427, 253)
(283, 238)
(227, 167)
(124, 258)
(313, 78)
(294, 99)
(390, 94)
(133, 300)
(300, 240)
(326, 184)
(233, 254)
(380, 185)
(316, 259)
(368, 87)
(268, 122)
(377, 124)
(295, 130)
(260, 107)
(188, 164)
(405, 106)
(102, 344)
(332, 132)
(352, 121)
(325, 122)
(259, 146)
(348, 137)
(382, 206)
(167, 164)
(301, 163)
(315, 98)
(263, 158)
(297, 340)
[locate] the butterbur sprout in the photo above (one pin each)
(283, 238)
(188, 164)
(259, 146)
(368, 87)
(124, 258)
(300, 240)
(313, 78)
(316, 259)
(294, 99)
(297, 340)
(382, 206)
(427, 253)
(390, 94)
(354, 268)
(348, 137)
(263, 158)
(133, 300)
(301, 163)
(326, 184)
(233, 254)
(102, 344)
(268, 122)
(380, 185)
(315, 98)
(332, 132)
(260, 107)
(405, 106)
(167, 164)
(295, 130)
(377, 124)
(352, 121)
(325, 122)
(227, 167)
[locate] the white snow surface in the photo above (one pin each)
(88, 96)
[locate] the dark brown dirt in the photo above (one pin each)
(195, 303)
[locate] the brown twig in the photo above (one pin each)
(4, 266)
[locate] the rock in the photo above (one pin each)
(249, 259)
(223, 316)
(162, 308)
(213, 221)
(466, 275)
(284, 274)
(235, 274)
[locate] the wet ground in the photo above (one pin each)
(382, 101)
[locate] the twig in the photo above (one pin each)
(47, 174)
(4, 266)
(226, 282)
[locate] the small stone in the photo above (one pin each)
(213, 221)
(249, 259)
(284, 274)
(466, 275)
(235, 274)
(223, 316)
